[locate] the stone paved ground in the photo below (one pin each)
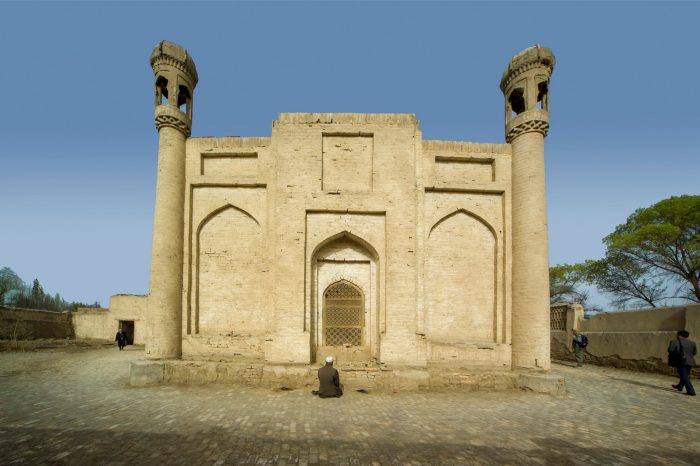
(63, 407)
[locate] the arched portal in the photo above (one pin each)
(461, 280)
(228, 274)
(344, 301)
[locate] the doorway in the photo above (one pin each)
(128, 327)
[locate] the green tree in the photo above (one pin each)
(37, 292)
(15, 292)
(566, 283)
(9, 281)
(627, 281)
(657, 246)
(60, 303)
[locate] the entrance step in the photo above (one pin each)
(371, 378)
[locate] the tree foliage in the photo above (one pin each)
(566, 283)
(14, 292)
(658, 247)
(38, 294)
(9, 281)
(627, 281)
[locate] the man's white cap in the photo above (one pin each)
(329, 358)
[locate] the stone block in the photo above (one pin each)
(542, 383)
(146, 373)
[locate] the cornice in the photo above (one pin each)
(185, 67)
(527, 67)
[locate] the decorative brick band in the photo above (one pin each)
(163, 120)
(529, 126)
(512, 74)
(185, 67)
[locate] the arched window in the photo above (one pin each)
(344, 315)
(161, 91)
(184, 99)
(542, 95)
(516, 99)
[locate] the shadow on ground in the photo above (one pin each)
(68, 446)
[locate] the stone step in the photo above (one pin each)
(372, 379)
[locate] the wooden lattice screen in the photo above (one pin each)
(557, 317)
(344, 318)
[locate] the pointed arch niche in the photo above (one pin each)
(461, 280)
(228, 273)
(345, 261)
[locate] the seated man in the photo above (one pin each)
(329, 381)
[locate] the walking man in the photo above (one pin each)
(681, 355)
(121, 339)
(578, 345)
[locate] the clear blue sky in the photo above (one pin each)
(78, 145)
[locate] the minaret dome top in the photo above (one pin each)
(531, 57)
(176, 55)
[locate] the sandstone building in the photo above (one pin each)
(351, 235)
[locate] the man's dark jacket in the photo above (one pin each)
(120, 338)
(329, 382)
(689, 349)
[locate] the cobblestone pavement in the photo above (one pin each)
(61, 407)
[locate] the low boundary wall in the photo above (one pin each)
(86, 323)
(635, 339)
(28, 324)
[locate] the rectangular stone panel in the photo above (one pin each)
(347, 162)
(455, 171)
(230, 164)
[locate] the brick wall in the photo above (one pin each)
(419, 226)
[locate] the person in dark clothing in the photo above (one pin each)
(329, 381)
(577, 347)
(121, 339)
(681, 354)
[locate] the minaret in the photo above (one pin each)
(175, 80)
(525, 84)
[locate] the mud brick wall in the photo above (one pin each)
(29, 324)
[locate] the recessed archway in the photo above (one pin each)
(227, 273)
(461, 280)
(344, 300)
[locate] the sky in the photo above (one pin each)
(78, 145)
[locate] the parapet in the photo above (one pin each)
(394, 119)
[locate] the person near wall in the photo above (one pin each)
(121, 339)
(329, 381)
(578, 345)
(681, 355)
